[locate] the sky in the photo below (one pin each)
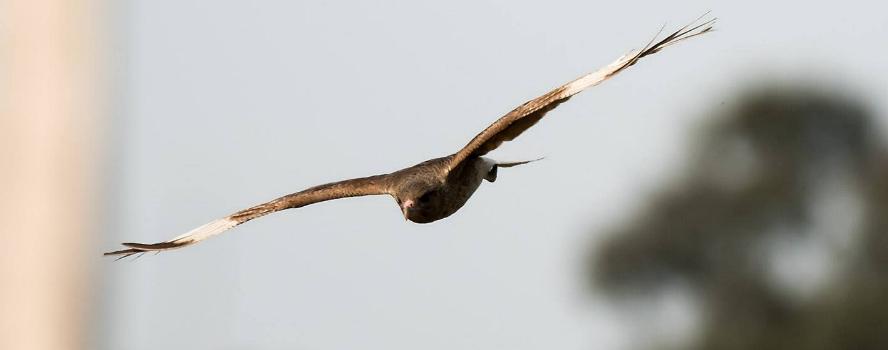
(219, 106)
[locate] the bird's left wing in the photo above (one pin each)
(348, 188)
(515, 122)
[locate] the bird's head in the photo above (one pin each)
(419, 202)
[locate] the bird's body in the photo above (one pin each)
(440, 192)
(437, 188)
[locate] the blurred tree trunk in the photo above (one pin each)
(48, 113)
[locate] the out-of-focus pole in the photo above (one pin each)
(50, 103)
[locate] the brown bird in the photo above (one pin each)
(434, 189)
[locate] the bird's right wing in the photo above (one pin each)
(349, 188)
(526, 115)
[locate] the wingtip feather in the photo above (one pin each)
(157, 246)
(188, 238)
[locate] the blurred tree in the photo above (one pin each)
(778, 229)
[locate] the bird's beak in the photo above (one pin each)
(405, 208)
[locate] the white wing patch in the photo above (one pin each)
(196, 235)
(205, 231)
(598, 76)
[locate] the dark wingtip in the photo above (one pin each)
(141, 248)
(122, 252)
(156, 246)
(688, 31)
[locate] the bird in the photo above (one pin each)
(436, 188)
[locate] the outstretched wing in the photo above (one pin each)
(515, 122)
(348, 188)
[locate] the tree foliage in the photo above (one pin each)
(788, 172)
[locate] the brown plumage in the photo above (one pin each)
(437, 188)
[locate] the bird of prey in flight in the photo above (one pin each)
(434, 189)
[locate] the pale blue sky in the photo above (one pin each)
(226, 104)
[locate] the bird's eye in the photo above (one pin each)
(425, 197)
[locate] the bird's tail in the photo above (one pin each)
(511, 164)
(491, 174)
